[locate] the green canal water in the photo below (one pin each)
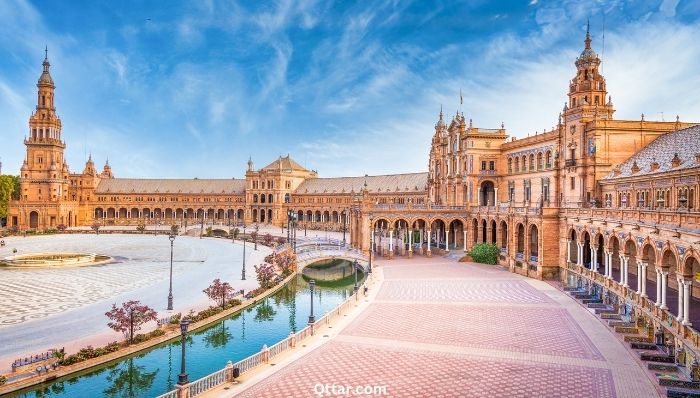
(154, 372)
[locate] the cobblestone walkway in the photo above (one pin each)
(465, 330)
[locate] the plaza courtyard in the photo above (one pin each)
(437, 327)
(43, 308)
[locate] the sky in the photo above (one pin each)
(184, 89)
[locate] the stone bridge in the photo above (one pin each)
(311, 251)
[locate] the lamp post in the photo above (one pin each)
(289, 220)
(170, 290)
(201, 228)
(257, 228)
(243, 270)
(312, 286)
(354, 269)
(182, 378)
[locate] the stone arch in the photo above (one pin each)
(269, 215)
(134, 213)
(484, 232)
(179, 213)
(317, 216)
(221, 214)
(475, 231)
(300, 215)
(270, 198)
(111, 212)
(99, 213)
(669, 259)
(240, 214)
(122, 212)
(33, 219)
(326, 216)
(573, 246)
(487, 193)
(230, 214)
(586, 240)
(534, 243)
(210, 213)
(649, 253)
(504, 234)
(520, 239)
(168, 213)
(691, 266)
(456, 228)
(309, 216)
(494, 231)
(255, 215)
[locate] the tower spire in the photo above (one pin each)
(46, 52)
(588, 34)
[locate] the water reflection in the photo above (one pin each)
(129, 380)
(218, 336)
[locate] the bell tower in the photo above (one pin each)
(44, 174)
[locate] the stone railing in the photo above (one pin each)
(685, 334)
(226, 375)
(668, 218)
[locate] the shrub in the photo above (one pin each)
(156, 333)
(485, 253)
(175, 319)
(111, 347)
(3, 380)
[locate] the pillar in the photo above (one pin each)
(664, 285)
(681, 290)
(447, 240)
(606, 263)
(421, 234)
(410, 244)
(465, 240)
(659, 281)
(568, 251)
(391, 243)
(687, 284)
(429, 252)
(579, 254)
(594, 258)
(639, 277)
(644, 279)
(623, 269)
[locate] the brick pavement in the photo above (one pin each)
(465, 330)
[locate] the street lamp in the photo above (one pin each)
(182, 378)
(243, 270)
(354, 266)
(255, 240)
(170, 291)
(312, 286)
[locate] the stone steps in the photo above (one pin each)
(643, 346)
(664, 367)
(637, 339)
(616, 322)
(684, 384)
(682, 393)
(656, 357)
(599, 311)
(626, 330)
(610, 316)
(590, 301)
(583, 296)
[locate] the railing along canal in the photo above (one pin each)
(264, 356)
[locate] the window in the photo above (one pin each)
(548, 159)
(492, 165)
(517, 165)
(483, 165)
(573, 182)
(572, 154)
(510, 165)
(532, 162)
(539, 161)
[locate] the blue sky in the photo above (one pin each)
(192, 89)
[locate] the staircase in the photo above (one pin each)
(659, 360)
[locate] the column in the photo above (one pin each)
(606, 263)
(639, 277)
(428, 237)
(659, 281)
(495, 197)
(644, 279)
(664, 286)
(465, 240)
(679, 280)
(579, 254)
(623, 269)
(421, 234)
(568, 251)
(594, 258)
(391, 243)
(410, 243)
(447, 240)
(687, 284)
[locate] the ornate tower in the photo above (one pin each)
(44, 173)
(588, 102)
(45, 200)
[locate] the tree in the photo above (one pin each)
(235, 233)
(96, 227)
(218, 292)
(254, 235)
(9, 189)
(265, 275)
(128, 380)
(281, 240)
(130, 317)
(141, 227)
(61, 227)
(174, 229)
(267, 239)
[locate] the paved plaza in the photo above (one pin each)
(448, 329)
(64, 306)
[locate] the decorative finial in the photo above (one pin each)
(440, 111)
(503, 125)
(642, 117)
(46, 52)
(470, 122)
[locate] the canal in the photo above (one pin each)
(154, 371)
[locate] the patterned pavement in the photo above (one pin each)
(464, 330)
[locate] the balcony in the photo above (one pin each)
(570, 162)
(488, 172)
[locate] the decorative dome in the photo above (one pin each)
(45, 78)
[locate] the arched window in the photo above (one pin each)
(255, 198)
(532, 162)
(510, 165)
(548, 159)
(262, 198)
(539, 161)
(269, 198)
(517, 165)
